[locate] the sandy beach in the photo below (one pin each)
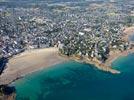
(116, 54)
(128, 32)
(34, 60)
(113, 55)
(28, 62)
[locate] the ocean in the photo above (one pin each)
(78, 81)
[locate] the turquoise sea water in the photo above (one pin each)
(76, 81)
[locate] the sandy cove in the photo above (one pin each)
(34, 60)
(38, 59)
(112, 56)
(116, 54)
(129, 31)
(28, 62)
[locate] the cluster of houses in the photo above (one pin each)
(83, 29)
(94, 31)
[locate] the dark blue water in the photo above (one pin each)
(76, 81)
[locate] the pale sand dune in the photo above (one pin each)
(30, 61)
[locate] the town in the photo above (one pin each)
(87, 28)
(86, 31)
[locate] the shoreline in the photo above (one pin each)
(129, 31)
(107, 66)
(96, 63)
(37, 59)
(29, 62)
(114, 54)
(10, 75)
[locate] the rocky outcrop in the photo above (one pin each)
(7, 92)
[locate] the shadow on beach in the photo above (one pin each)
(3, 62)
